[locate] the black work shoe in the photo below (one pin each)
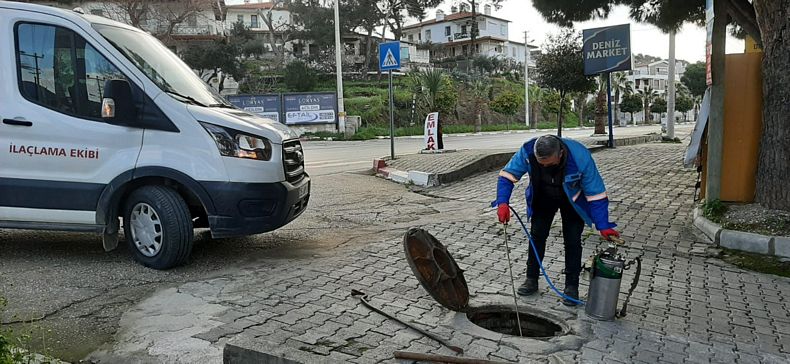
(571, 291)
(529, 287)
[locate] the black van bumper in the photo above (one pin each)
(254, 208)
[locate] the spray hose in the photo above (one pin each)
(540, 263)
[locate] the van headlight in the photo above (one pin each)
(234, 143)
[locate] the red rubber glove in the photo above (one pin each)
(503, 212)
(609, 233)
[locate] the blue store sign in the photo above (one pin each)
(607, 49)
(310, 108)
(267, 106)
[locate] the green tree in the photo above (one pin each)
(647, 95)
(694, 78)
(222, 58)
(621, 85)
(299, 77)
(536, 99)
(562, 67)
(397, 12)
(631, 103)
(764, 20)
(365, 15)
(659, 107)
(507, 103)
(684, 104)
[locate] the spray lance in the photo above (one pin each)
(607, 272)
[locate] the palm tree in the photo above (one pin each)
(621, 86)
(535, 101)
(648, 94)
(600, 106)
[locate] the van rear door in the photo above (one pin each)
(57, 154)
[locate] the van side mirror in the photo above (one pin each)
(117, 106)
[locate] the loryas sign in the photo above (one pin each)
(267, 106)
(607, 49)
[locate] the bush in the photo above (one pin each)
(299, 77)
(373, 110)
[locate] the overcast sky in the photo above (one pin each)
(645, 39)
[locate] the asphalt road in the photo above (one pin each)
(330, 157)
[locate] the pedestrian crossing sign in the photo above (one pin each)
(389, 56)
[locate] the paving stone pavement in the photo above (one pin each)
(688, 308)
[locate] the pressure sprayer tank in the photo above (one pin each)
(607, 272)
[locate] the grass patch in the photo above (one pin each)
(756, 262)
(675, 140)
(714, 210)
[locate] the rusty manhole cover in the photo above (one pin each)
(436, 269)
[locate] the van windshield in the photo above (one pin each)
(160, 65)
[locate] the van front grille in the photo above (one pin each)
(293, 161)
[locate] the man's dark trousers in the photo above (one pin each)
(572, 228)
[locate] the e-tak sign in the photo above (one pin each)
(389, 56)
(607, 49)
(310, 108)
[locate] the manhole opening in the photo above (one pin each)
(504, 322)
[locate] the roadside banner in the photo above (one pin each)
(267, 106)
(310, 108)
(431, 127)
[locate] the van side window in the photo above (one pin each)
(59, 70)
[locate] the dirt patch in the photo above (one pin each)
(757, 219)
(756, 262)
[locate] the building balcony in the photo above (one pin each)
(183, 29)
(461, 36)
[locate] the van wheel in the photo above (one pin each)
(158, 227)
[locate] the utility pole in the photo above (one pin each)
(671, 88)
(526, 78)
(716, 118)
(341, 111)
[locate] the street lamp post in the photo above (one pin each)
(341, 112)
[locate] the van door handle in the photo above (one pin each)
(17, 122)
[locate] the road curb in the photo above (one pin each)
(487, 162)
(742, 240)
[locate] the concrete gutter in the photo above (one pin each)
(742, 240)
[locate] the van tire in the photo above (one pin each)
(173, 219)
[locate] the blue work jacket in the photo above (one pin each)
(583, 184)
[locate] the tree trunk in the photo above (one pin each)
(368, 52)
(617, 107)
(479, 122)
(533, 119)
(559, 115)
(600, 113)
(773, 170)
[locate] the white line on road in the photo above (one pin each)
(318, 165)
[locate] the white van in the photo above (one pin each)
(101, 122)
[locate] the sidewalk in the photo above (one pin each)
(689, 307)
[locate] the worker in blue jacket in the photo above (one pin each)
(562, 176)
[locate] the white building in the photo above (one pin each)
(450, 36)
(655, 75)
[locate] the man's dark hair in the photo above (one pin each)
(547, 146)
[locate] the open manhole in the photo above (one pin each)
(503, 321)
